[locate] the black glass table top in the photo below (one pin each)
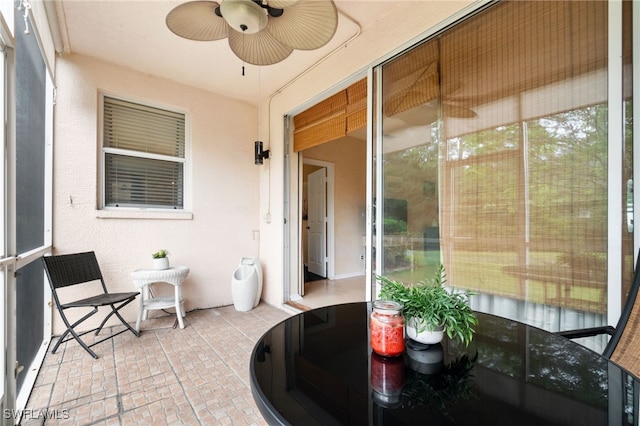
(317, 368)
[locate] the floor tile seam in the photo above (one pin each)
(55, 383)
(104, 419)
(184, 393)
(107, 394)
(224, 360)
(98, 420)
(242, 332)
(67, 403)
(47, 404)
(137, 407)
(237, 331)
(142, 379)
(119, 404)
(262, 315)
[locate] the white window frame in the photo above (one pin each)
(104, 211)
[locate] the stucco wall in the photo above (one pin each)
(224, 184)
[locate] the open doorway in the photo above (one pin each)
(317, 220)
(332, 226)
(325, 201)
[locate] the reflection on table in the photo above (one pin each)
(317, 368)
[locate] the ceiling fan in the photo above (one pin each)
(260, 32)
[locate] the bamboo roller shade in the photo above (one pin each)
(520, 46)
(481, 60)
(332, 118)
(511, 51)
(485, 59)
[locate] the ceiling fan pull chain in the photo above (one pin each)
(244, 46)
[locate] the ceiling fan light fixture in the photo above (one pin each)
(244, 16)
(265, 32)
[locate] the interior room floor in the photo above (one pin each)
(198, 375)
(329, 292)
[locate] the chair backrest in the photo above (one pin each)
(624, 346)
(71, 269)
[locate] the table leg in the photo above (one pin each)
(145, 292)
(178, 296)
(140, 310)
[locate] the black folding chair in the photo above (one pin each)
(624, 345)
(80, 268)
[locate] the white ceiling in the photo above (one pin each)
(132, 33)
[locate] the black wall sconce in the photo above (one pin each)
(260, 154)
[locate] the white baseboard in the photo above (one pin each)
(349, 275)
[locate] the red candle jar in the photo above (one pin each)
(386, 328)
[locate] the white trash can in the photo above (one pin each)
(255, 262)
(244, 288)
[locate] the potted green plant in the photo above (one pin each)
(160, 259)
(431, 310)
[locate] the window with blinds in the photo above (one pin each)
(143, 153)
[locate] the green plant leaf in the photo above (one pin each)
(160, 254)
(433, 305)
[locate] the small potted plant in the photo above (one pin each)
(430, 309)
(160, 259)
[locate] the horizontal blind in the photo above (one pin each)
(136, 127)
(136, 182)
(144, 151)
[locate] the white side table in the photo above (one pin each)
(143, 278)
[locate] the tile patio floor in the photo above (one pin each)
(195, 376)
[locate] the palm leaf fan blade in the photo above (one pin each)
(197, 21)
(281, 4)
(259, 48)
(307, 25)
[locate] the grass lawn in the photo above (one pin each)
(487, 272)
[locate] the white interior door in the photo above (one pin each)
(317, 217)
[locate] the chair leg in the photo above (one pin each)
(70, 330)
(127, 324)
(83, 344)
(115, 310)
(76, 336)
(60, 341)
